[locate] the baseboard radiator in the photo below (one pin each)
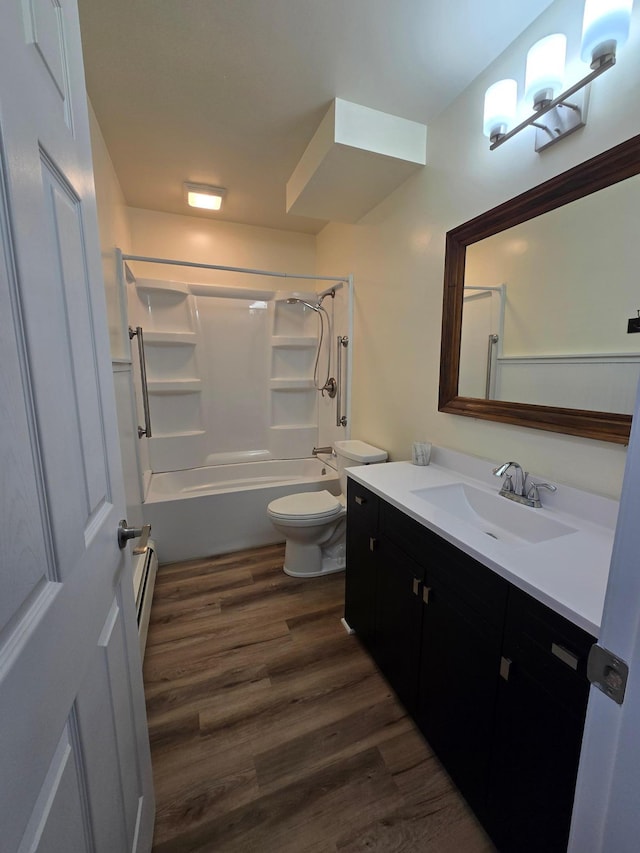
(145, 568)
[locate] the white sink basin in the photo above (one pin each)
(494, 515)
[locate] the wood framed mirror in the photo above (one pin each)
(597, 174)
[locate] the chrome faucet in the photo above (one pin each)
(513, 485)
(516, 488)
(317, 450)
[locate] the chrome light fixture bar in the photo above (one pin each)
(565, 116)
(605, 27)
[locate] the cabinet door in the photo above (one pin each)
(398, 620)
(360, 581)
(459, 671)
(540, 718)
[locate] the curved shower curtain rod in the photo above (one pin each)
(344, 280)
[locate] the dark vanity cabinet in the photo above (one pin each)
(540, 715)
(361, 579)
(495, 680)
(459, 670)
(398, 614)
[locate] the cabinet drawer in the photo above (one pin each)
(414, 539)
(549, 648)
(362, 505)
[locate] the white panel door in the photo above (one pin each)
(75, 771)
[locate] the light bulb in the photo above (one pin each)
(204, 196)
(605, 27)
(544, 74)
(499, 108)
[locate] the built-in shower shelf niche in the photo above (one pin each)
(293, 399)
(291, 405)
(170, 339)
(294, 341)
(289, 364)
(175, 386)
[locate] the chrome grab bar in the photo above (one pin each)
(493, 340)
(341, 420)
(146, 429)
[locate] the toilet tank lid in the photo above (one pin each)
(360, 451)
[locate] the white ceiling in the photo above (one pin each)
(229, 92)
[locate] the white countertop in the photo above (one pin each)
(568, 573)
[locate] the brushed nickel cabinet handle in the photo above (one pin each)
(360, 500)
(505, 668)
(426, 594)
(373, 543)
(416, 586)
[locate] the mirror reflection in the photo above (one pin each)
(546, 307)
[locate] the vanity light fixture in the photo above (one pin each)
(605, 27)
(204, 196)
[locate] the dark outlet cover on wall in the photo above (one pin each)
(633, 325)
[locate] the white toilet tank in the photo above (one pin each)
(352, 453)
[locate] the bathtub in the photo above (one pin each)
(200, 512)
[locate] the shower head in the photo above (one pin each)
(293, 299)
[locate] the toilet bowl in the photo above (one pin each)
(314, 523)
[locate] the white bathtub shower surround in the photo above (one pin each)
(216, 509)
(230, 371)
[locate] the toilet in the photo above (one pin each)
(314, 523)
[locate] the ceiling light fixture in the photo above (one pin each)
(204, 196)
(605, 28)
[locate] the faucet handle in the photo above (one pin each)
(507, 484)
(533, 495)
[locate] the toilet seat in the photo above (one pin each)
(321, 506)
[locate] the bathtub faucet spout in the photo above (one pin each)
(317, 450)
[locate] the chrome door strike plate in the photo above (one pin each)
(607, 672)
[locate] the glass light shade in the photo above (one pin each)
(605, 26)
(499, 107)
(204, 200)
(204, 196)
(544, 75)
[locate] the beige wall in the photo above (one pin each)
(113, 223)
(201, 240)
(397, 252)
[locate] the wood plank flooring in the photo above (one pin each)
(272, 730)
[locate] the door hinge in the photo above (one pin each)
(607, 672)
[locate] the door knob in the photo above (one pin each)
(125, 533)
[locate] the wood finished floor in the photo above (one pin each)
(272, 730)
